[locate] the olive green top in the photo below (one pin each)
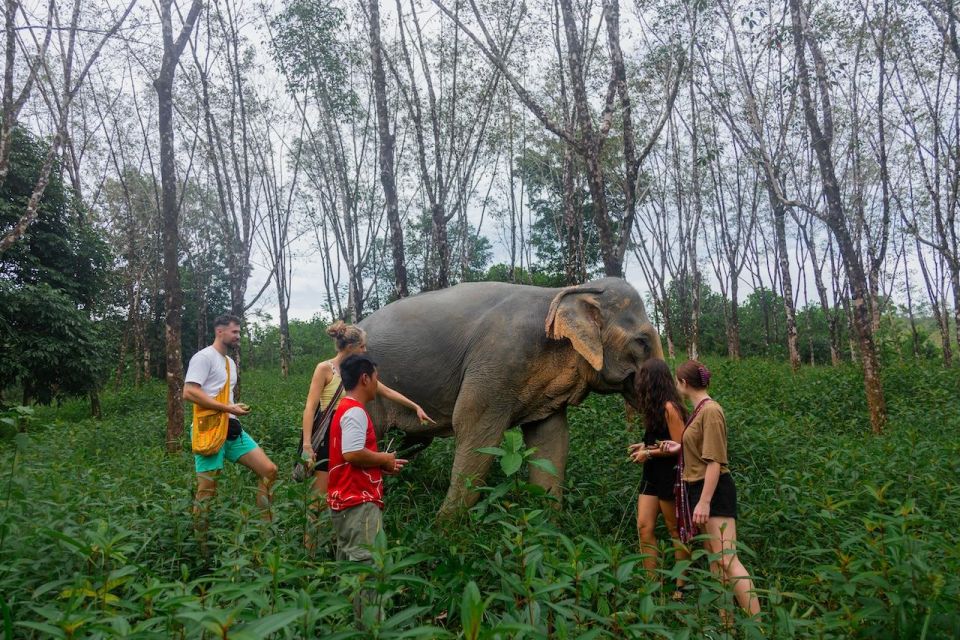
(705, 441)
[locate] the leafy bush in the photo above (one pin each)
(850, 535)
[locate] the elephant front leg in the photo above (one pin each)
(551, 437)
(471, 433)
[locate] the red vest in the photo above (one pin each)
(349, 485)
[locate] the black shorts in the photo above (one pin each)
(724, 501)
(323, 454)
(659, 475)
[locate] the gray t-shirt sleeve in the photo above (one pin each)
(353, 427)
(199, 369)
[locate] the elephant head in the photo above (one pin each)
(606, 323)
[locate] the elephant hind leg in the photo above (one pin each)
(551, 437)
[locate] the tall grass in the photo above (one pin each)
(849, 534)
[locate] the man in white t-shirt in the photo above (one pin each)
(205, 377)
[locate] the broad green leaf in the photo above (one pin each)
(511, 463)
(471, 611)
(265, 626)
(545, 465)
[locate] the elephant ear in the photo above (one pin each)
(575, 315)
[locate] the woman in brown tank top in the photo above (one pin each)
(712, 494)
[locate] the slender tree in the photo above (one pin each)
(820, 128)
(170, 210)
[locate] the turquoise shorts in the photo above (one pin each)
(232, 450)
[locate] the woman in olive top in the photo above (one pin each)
(712, 494)
(350, 340)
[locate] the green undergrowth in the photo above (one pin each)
(849, 534)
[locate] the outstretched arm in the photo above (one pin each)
(395, 396)
(675, 425)
(366, 458)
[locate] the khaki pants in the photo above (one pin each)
(356, 528)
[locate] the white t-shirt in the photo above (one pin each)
(208, 370)
(353, 430)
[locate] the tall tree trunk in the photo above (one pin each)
(171, 217)
(914, 334)
(573, 261)
(284, 333)
(733, 323)
(786, 280)
(955, 284)
(387, 151)
(592, 145)
(173, 299)
(96, 411)
(943, 322)
(820, 139)
(693, 341)
(441, 243)
(830, 315)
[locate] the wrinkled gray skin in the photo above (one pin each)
(482, 357)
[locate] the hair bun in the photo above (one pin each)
(337, 330)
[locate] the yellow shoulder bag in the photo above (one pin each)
(209, 425)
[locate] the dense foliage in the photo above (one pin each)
(52, 284)
(850, 535)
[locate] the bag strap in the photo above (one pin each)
(225, 390)
(321, 421)
(320, 416)
(695, 412)
(687, 530)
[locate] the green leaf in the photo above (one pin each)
(513, 441)
(48, 629)
(493, 451)
(471, 611)
(7, 619)
(22, 441)
(545, 465)
(511, 462)
(265, 626)
(73, 542)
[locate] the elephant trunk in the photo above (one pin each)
(656, 351)
(656, 348)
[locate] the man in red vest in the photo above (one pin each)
(355, 490)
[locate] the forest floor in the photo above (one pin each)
(848, 534)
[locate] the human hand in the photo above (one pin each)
(394, 466)
(423, 417)
(670, 447)
(639, 454)
(238, 409)
(308, 455)
(701, 513)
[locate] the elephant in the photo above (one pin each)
(483, 357)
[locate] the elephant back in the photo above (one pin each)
(422, 344)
